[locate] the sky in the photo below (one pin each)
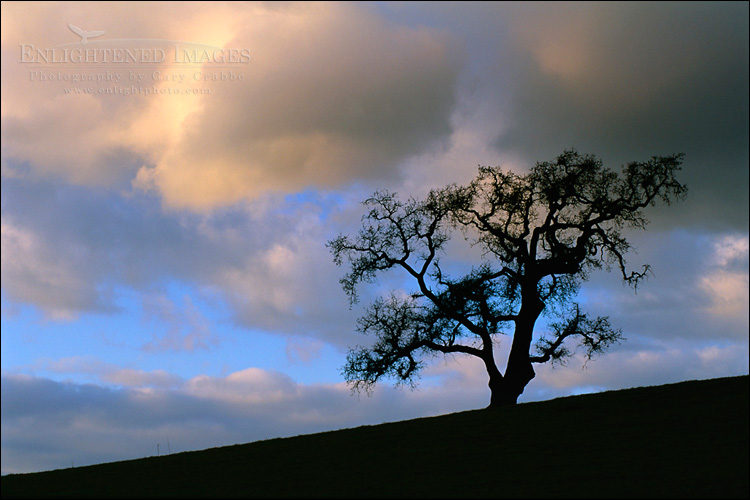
(165, 281)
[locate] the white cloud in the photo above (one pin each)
(249, 386)
(731, 249)
(726, 283)
(37, 271)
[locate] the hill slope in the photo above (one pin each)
(673, 441)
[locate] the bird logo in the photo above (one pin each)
(85, 35)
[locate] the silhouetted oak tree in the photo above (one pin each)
(541, 233)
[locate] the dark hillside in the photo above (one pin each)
(686, 440)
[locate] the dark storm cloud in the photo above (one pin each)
(626, 81)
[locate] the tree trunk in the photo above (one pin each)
(497, 384)
(506, 389)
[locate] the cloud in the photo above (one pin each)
(726, 283)
(102, 372)
(67, 247)
(127, 377)
(87, 424)
(628, 81)
(188, 328)
(303, 349)
(621, 81)
(35, 272)
(655, 364)
(692, 275)
(332, 94)
(251, 385)
(290, 286)
(41, 139)
(48, 424)
(98, 138)
(728, 293)
(264, 262)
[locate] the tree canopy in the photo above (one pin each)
(541, 235)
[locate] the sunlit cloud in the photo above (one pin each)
(352, 116)
(252, 385)
(358, 94)
(728, 294)
(726, 284)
